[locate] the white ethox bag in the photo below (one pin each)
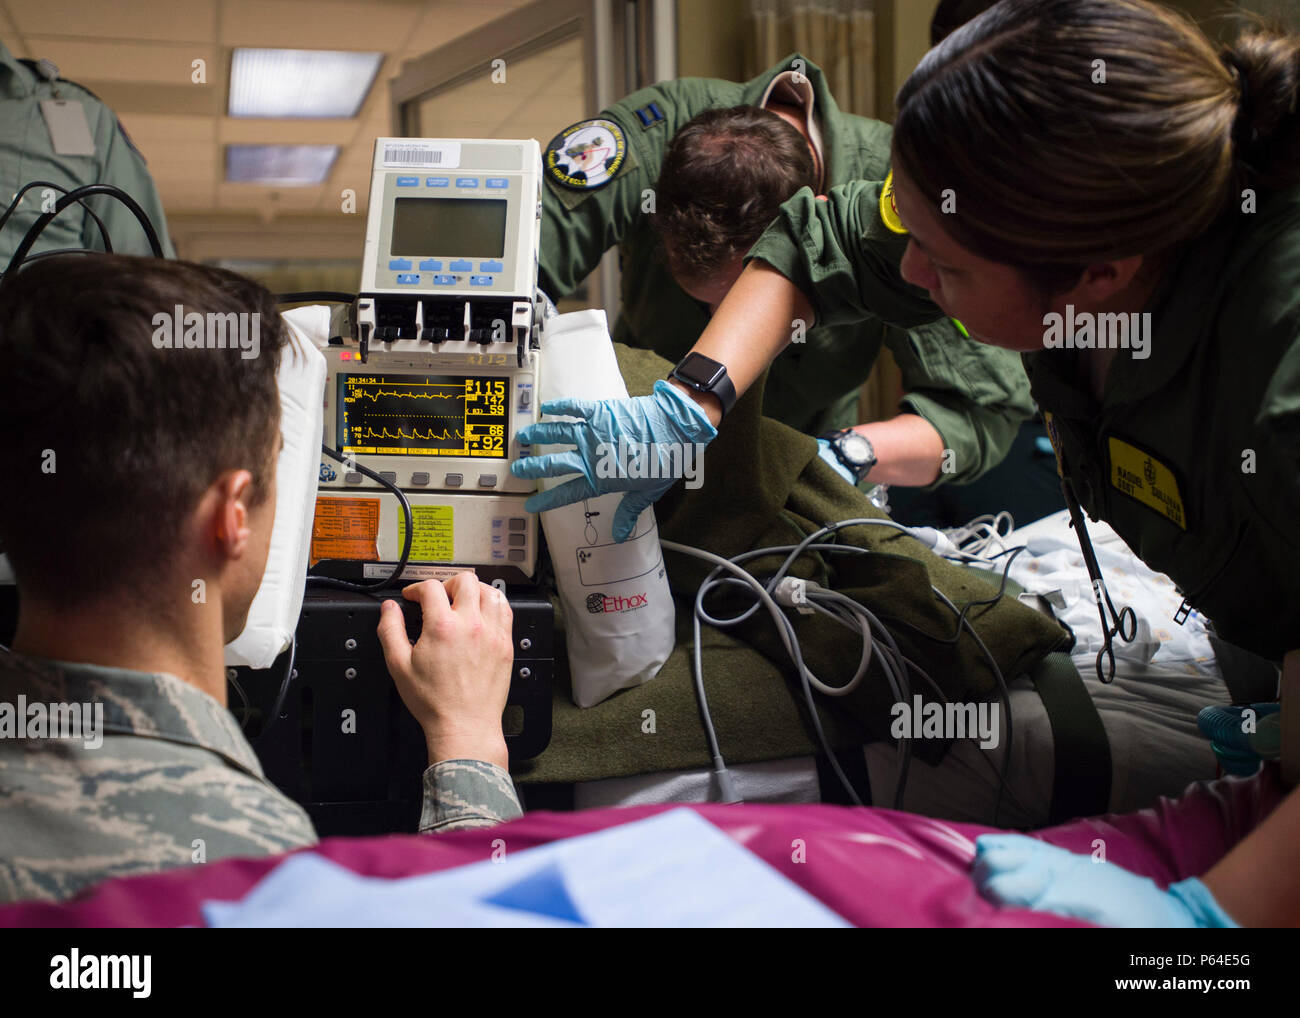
(618, 610)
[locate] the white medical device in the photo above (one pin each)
(443, 369)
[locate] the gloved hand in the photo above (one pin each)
(1010, 869)
(650, 435)
(825, 451)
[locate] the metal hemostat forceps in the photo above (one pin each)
(1122, 623)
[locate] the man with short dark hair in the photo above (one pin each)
(724, 178)
(137, 517)
(686, 165)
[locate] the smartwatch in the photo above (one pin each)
(854, 450)
(704, 374)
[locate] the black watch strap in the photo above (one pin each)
(858, 470)
(704, 374)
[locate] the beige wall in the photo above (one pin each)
(903, 36)
(710, 39)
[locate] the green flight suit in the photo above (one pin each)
(1193, 454)
(1212, 495)
(976, 398)
(27, 154)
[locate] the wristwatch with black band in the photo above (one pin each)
(704, 374)
(854, 450)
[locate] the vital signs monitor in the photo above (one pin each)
(443, 369)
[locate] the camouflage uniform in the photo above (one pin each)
(174, 782)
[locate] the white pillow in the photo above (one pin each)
(274, 614)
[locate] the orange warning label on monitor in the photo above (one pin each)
(346, 528)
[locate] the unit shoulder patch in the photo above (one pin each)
(888, 210)
(586, 155)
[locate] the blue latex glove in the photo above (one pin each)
(661, 425)
(1010, 869)
(825, 451)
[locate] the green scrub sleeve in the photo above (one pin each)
(844, 259)
(124, 167)
(975, 395)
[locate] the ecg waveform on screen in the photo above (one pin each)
(378, 394)
(423, 415)
(361, 434)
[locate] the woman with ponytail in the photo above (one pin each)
(1090, 183)
(1094, 184)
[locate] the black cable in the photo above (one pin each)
(795, 651)
(387, 581)
(791, 641)
(73, 197)
(248, 707)
(13, 205)
(896, 681)
(280, 697)
(963, 623)
(1000, 772)
(961, 619)
(1004, 691)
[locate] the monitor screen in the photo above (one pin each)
(465, 227)
(424, 415)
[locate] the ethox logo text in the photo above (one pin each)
(599, 603)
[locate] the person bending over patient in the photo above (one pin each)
(137, 518)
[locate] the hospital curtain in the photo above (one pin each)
(837, 35)
(840, 37)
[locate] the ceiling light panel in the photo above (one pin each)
(300, 83)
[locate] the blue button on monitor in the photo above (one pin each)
(491, 267)
(461, 265)
(480, 280)
(497, 182)
(467, 181)
(430, 265)
(444, 280)
(408, 278)
(399, 264)
(437, 182)
(408, 181)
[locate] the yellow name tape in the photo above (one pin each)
(1143, 477)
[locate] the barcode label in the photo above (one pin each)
(444, 155)
(413, 157)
